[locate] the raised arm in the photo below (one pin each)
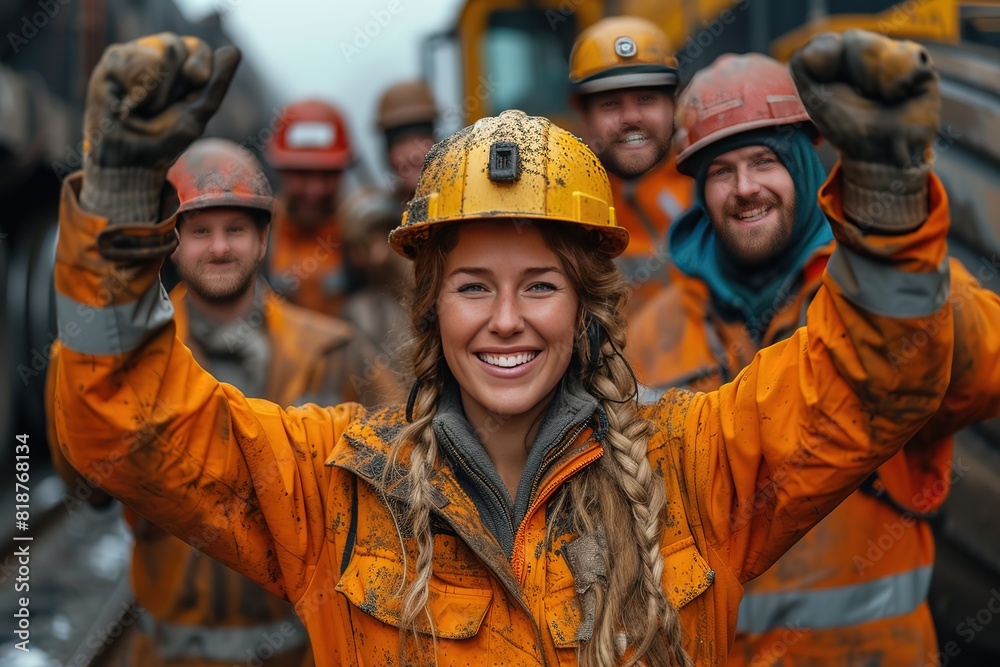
(239, 479)
(811, 417)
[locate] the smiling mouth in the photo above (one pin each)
(507, 360)
(633, 138)
(753, 215)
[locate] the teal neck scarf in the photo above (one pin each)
(754, 295)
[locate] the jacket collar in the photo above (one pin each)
(570, 407)
(363, 450)
(364, 447)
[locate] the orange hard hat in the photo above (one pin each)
(406, 103)
(312, 135)
(734, 94)
(621, 52)
(217, 172)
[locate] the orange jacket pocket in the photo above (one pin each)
(372, 584)
(686, 573)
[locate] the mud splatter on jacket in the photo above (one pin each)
(855, 587)
(294, 498)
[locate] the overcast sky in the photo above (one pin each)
(318, 48)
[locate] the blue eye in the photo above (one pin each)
(471, 287)
(542, 287)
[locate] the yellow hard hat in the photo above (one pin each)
(511, 166)
(621, 52)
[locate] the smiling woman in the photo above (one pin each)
(526, 295)
(507, 315)
(523, 507)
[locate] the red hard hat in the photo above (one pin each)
(734, 94)
(312, 135)
(217, 172)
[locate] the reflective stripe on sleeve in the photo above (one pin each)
(883, 290)
(841, 606)
(115, 329)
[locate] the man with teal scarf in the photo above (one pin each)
(741, 289)
(751, 252)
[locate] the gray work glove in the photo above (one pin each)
(147, 100)
(876, 100)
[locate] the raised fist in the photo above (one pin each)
(876, 100)
(150, 98)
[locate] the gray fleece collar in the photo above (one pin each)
(571, 408)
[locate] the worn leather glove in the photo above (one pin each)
(147, 100)
(876, 100)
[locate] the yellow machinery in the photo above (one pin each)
(513, 53)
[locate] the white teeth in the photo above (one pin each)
(508, 361)
(755, 214)
(633, 138)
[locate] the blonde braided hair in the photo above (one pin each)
(620, 493)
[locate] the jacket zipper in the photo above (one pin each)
(555, 453)
(485, 481)
(515, 594)
(517, 556)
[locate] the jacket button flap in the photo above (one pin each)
(563, 616)
(686, 573)
(372, 584)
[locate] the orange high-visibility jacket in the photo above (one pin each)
(195, 612)
(307, 267)
(854, 588)
(313, 357)
(646, 206)
(205, 613)
(292, 498)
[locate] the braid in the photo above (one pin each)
(419, 439)
(422, 460)
(627, 438)
(630, 497)
(634, 622)
(419, 517)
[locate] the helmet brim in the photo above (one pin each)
(407, 240)
(625, 79)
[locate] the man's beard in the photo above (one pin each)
(753, 248)
(634, 165)
(220, 289)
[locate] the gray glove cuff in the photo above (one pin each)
(884, 198)
(122, 194)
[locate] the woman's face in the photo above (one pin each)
(508, 317)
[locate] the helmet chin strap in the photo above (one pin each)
(412, 399)
(596, 336)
